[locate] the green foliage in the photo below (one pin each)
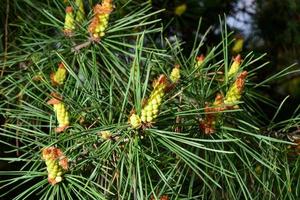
(110, 79)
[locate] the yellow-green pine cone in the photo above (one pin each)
(99, 22)
(135, 121)
(80, 14)
(59, 76)
(150, 109)
(235, 91)
(199, 61)
(238, 45)
(175, 74)
(69, 25)
(234, 68)
(180, 9)
(105, 135)
(61, 112)
(53, 158)
(62, 116)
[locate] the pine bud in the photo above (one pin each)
(234, 67)
(62, 114)
(234, 93)
(59, 76)
(80, 12)
(135, 121)
(100, 20)
(105, 135)
(179, 10)
(150, 109)
(218, 101)
(175, 74)
(56, 162)
(199, 61)
(238, 45)
(69, 21)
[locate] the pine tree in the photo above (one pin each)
(105, 108)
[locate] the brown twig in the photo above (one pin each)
(80, 46)
(20, 98)
(178, 119)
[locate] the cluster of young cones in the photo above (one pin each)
(61, 112)
(98, 23)
(71, 18)
(150, 108)
(175, 74)
(56, 162)
(230, 101)
(58, 77)
(62, 115)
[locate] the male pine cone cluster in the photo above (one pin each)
(234, 93)
(59, 76)
(69, 25)
(98, 23)
(151, 107)
(70, 19)
(234, 68)
(100, 20)
(232, 97)
(56, 162)
(80, 11)
(61, 112)
(135, 120)
(175, 73)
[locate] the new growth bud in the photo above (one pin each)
(62, 114)
(99, 22)
(69, 25)
(199, 61)
(56, 162)
(135, 121)
(80, 12)
(59, 76)
(238, 45)
(175, 74)
(234, 93)
(234, 68)
(105, 135)
(180, 9)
